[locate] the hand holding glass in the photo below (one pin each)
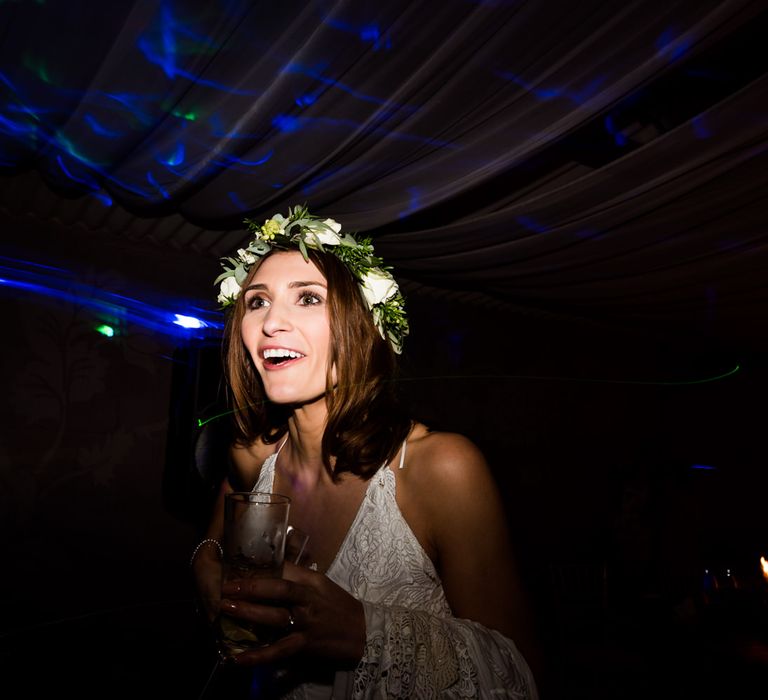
(255, 529)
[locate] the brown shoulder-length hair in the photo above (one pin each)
(366, 424)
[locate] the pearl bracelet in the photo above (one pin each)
(200, 544)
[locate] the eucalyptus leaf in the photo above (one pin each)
(259, 247)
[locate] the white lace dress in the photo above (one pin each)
(415, 647)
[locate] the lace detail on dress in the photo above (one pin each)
(414, 659)
(381, 560)
(410, 654)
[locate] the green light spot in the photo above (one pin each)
(189, 116)
(104, 329)
(37, 65)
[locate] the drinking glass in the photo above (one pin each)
(255, 529)
(296, 546)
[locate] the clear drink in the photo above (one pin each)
(235, 634)
(255, 526)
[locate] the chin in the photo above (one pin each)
(294, 398)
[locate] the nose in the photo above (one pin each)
(276, 320)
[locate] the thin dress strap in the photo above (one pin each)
(402, 455)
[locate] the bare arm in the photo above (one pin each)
(245, 463)
(206, 566)
(468, 527)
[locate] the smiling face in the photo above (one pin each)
(286, 328)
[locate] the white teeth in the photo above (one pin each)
(280, 352)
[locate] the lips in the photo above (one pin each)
(275, 358)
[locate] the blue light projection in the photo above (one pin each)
(546, 93)
(57, 283)
(287, 123)
(228, 160)
(619, 138)
(104, 198)
(700, 128)
(315, 73)
(306, 100)
(169, 39)
(12, 127)
(105, 130)
(85, 126)
(100, 129)
(128, 102)
(367, 33)
(531, 224)
(120, 113)
(88, 182)
(176, 157)
(309, 187)
(235, 199)
(44, 136)
(152, 181)
(414, 202)
(671, 46)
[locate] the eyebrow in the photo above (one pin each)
(292, 285)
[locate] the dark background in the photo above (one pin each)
(574, 201)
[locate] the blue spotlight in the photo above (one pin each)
(189, 321)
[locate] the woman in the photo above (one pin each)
(411, 590)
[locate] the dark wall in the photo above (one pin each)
(594, 433)
(95, 590)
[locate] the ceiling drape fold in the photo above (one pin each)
(585, 158)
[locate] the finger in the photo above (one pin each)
(284, 648)
(299, 574)
(271, 615)
(276, 589)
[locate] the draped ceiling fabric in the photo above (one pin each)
(591, 159)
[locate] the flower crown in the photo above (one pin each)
(302, 231)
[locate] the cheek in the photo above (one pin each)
(247, 329)
(249, 336)
(320, 332)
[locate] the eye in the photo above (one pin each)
(309, 299)
(256, 302)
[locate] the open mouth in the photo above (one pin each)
(273, 357)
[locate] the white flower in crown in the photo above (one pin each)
(246, 256)
(229, 290)
(326, 234)
(378, 286)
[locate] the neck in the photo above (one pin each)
(302, 457)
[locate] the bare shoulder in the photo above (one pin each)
(446, 492)
(444, 473)
(444, 459)
(247, 459)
